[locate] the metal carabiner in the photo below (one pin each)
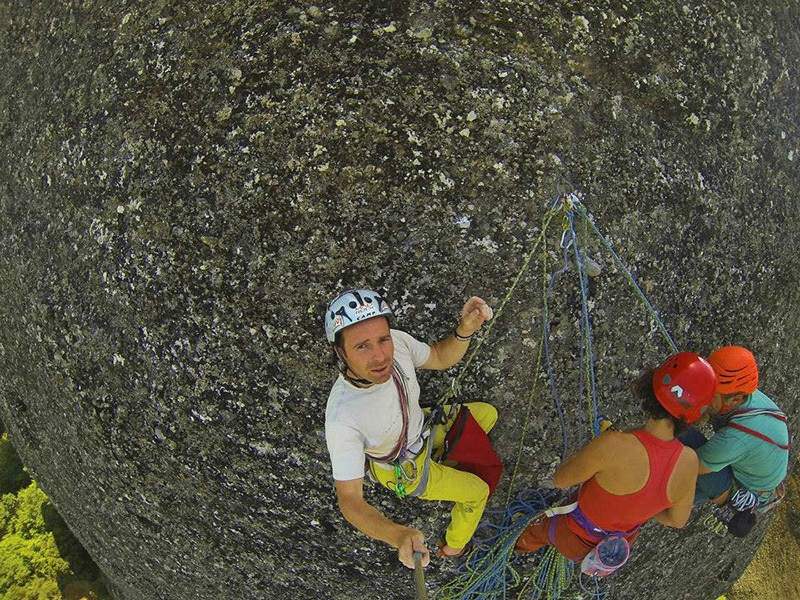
(401, 477)
(400, 470)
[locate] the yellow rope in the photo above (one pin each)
(485, 331)
(535, 384)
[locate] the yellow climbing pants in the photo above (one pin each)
(469, 492)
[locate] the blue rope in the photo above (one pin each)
(581, 210)
(562, 415)
(488, 571)
(570, 240)
(587, 356)
(594, 591)
(582, 383)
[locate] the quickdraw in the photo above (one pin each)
(401, 477)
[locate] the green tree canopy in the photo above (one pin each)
(38, 553)
(30, 560)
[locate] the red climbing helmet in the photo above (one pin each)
(684, 385)
(736, 369)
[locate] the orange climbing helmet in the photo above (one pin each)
(684, 385)
(736, 369)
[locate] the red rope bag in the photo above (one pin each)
(468, 445)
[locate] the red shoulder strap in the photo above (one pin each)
(758, 434)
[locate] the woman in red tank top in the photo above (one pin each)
(627, 478)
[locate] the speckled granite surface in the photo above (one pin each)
(183, 186)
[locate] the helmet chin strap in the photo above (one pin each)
(358, 382)
(344, 368)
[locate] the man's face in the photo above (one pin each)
(723, 403)
(368, 350)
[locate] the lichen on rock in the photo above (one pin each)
(184, 186)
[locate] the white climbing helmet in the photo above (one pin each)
(353, 306)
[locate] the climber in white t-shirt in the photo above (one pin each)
(373, 414)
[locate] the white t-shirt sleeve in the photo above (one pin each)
(420, 351)
(346, 449)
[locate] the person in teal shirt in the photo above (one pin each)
(750, 447)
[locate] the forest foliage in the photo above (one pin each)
(40, 558)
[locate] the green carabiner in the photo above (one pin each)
(399, 486)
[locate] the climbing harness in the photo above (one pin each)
(465, 444)
(612, 549)
(406, 464)
(489, 571)
(593, 531)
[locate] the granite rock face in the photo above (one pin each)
(184, 185)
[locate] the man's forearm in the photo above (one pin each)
(449, 351)
(370, 521)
